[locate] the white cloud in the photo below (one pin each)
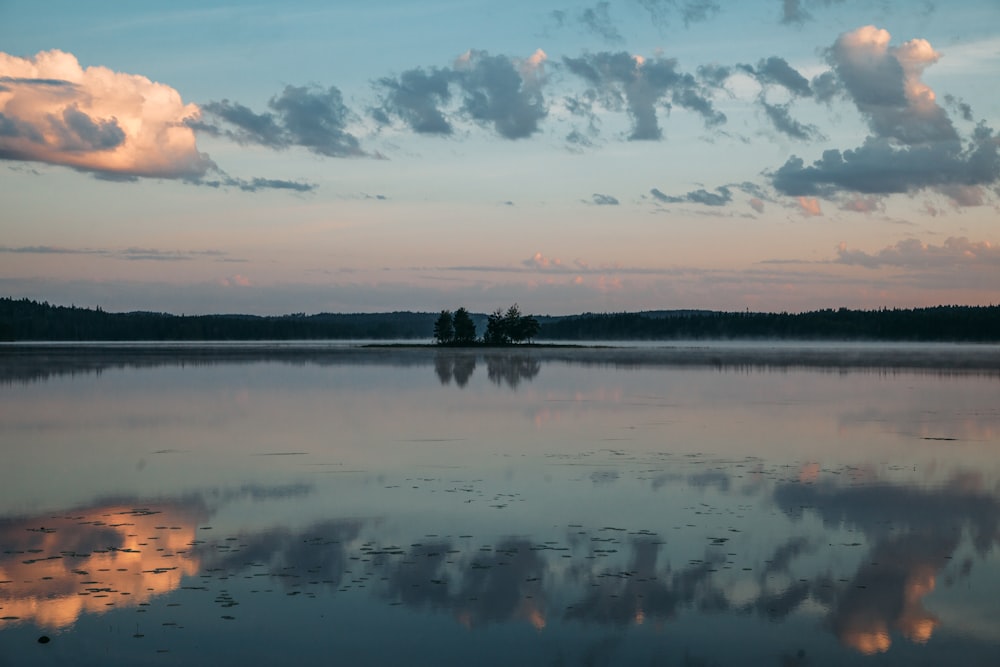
(56, 111)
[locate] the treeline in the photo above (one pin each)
(940, 323)
(26, 320)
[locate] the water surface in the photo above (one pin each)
(691, 505)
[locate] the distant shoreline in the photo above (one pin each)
(25, 320)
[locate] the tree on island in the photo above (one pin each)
(504, 328)
(457, 329)
(444, 327)
(465, 328)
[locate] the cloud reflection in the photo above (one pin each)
(118, 554)
(915, 533)
(887, 594)
(92, 560)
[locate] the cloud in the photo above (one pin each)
(597, 20)
(576, 138)
(306, 116)
(141, 254)
(251, 127)
(540, 261)
(963, 195)
(792, 11)
(642, 85)
(691, 11)
(416, 97)
(498, 91)
(880, 167)
(503, 92)
(713, 74)
(954, 253)
(913, 146)
(48, 250)
(961, 107)
(775, 70)
(782, 121)
(722, 196)
(858, 204)
(94, 119)
(884, 82)
(809, 206)
(236, 280)
(825, 86)
(603, 200)
(256, 184)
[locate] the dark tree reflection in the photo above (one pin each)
(511, 369)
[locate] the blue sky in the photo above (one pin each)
(641, 154)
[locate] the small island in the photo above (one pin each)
(508, 327)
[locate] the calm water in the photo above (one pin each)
(718, 505)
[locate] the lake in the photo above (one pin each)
(686, 504)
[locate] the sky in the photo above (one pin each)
(354, 156)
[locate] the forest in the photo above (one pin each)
(28, 320)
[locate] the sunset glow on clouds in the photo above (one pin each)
(653, 141)
(55, 111)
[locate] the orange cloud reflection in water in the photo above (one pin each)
(526, 610)
(53, 569)
(874, 611)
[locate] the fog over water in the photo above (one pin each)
(688, 504)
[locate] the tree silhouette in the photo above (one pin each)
(496, 329)
(465, 328)
(504, 328)
(519, 327)
(444, 327)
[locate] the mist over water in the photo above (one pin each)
(715, 504)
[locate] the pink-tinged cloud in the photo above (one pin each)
(55, 111)
(860, 204)
(532, 68)
(955, 252)
(235, 281)
(757, 205)
(886, 86)
(540, 261)
(964, 195)
(913, 143)
(809, 206)
(609, 284)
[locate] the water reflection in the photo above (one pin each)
(282, 509)
(915, 533)
(90, 560)
(502, 368)
(511, 369)
(454, 365)
(25, 362)
(95, 560)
